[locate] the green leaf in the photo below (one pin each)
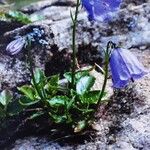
(58, 101)
(70, 103)
(90, 97)
(28, 91)
(15, 108)
(18, 16)
(84, 84)
(67, 75)
(39, 76)
(27, 102)
(52, 85)
(54, 80)
(58, 118)
(5, 97)
(78, 75)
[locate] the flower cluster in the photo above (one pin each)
(100, 9)
(36, 36)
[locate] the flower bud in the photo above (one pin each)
(16, 46)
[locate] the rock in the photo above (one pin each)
(124, 123)
(126, 30)
(38, 6)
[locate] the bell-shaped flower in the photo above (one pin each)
(125, 67)
(16, 46)
(100, 9)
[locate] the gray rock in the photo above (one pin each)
(127, 28)
(126, 126)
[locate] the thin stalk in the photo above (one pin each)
(107, 55)
(74, 21)
(32, 74)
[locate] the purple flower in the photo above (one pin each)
(16, 46)
(100, 9)
(125, 67)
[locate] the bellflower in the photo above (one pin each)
(16, 46)
(35, 37)
(100, 9)
(125, 67)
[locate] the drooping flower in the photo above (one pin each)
(125, 67)
(100, 9)
(16, 46)
(34, 37)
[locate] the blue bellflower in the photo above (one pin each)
(100, 9)
(35, 37)
(125, 67)
(16, 46)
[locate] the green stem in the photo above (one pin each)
(107, 55)
(32, 74)
(74, 20)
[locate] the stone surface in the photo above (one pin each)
(127, 125)
(126, 29)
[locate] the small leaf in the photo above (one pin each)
(28, 91)
(84, 84)
(90, 97)
(80, 126)
(18, 16)
(59, 119)
(78, 75)
(70, 103)
(5, 97)
(58, 101)
(39, 76)
(67, 75)
(52, 85)
(54, 80)
(72, 17)
(27, 102)
(82, 73)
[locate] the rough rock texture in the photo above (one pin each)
(127, 28)
(126, 125)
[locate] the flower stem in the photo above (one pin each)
(74, 21)
(32, 72)
(107, 55)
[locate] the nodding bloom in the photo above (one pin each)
(35, 37)
(100, 9)
(16, 46)
(125, 67)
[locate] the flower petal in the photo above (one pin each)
(15, 46)
(89, 8)
(113, 4)
(136, 69)
(120, 74)
(99, 9)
